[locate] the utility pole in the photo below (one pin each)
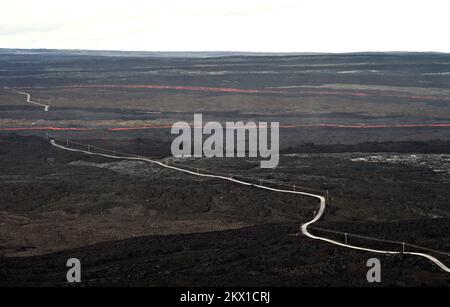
(346, 238)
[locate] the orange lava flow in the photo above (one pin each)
(44, 129)
(308, 92)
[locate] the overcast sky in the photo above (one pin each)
(227, 25)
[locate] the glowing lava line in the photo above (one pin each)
(309, 92)
(12, 129)
(181, 88)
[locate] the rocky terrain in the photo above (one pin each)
(372, 129)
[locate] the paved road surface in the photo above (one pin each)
(304, 227)
(46, 107)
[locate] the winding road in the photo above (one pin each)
(45, 106)
(304, 227)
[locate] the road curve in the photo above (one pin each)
(304, 227)
(46, 107)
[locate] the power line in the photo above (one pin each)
(259, 182)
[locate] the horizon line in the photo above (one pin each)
(231, 52)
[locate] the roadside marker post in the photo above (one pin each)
(303, 231)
